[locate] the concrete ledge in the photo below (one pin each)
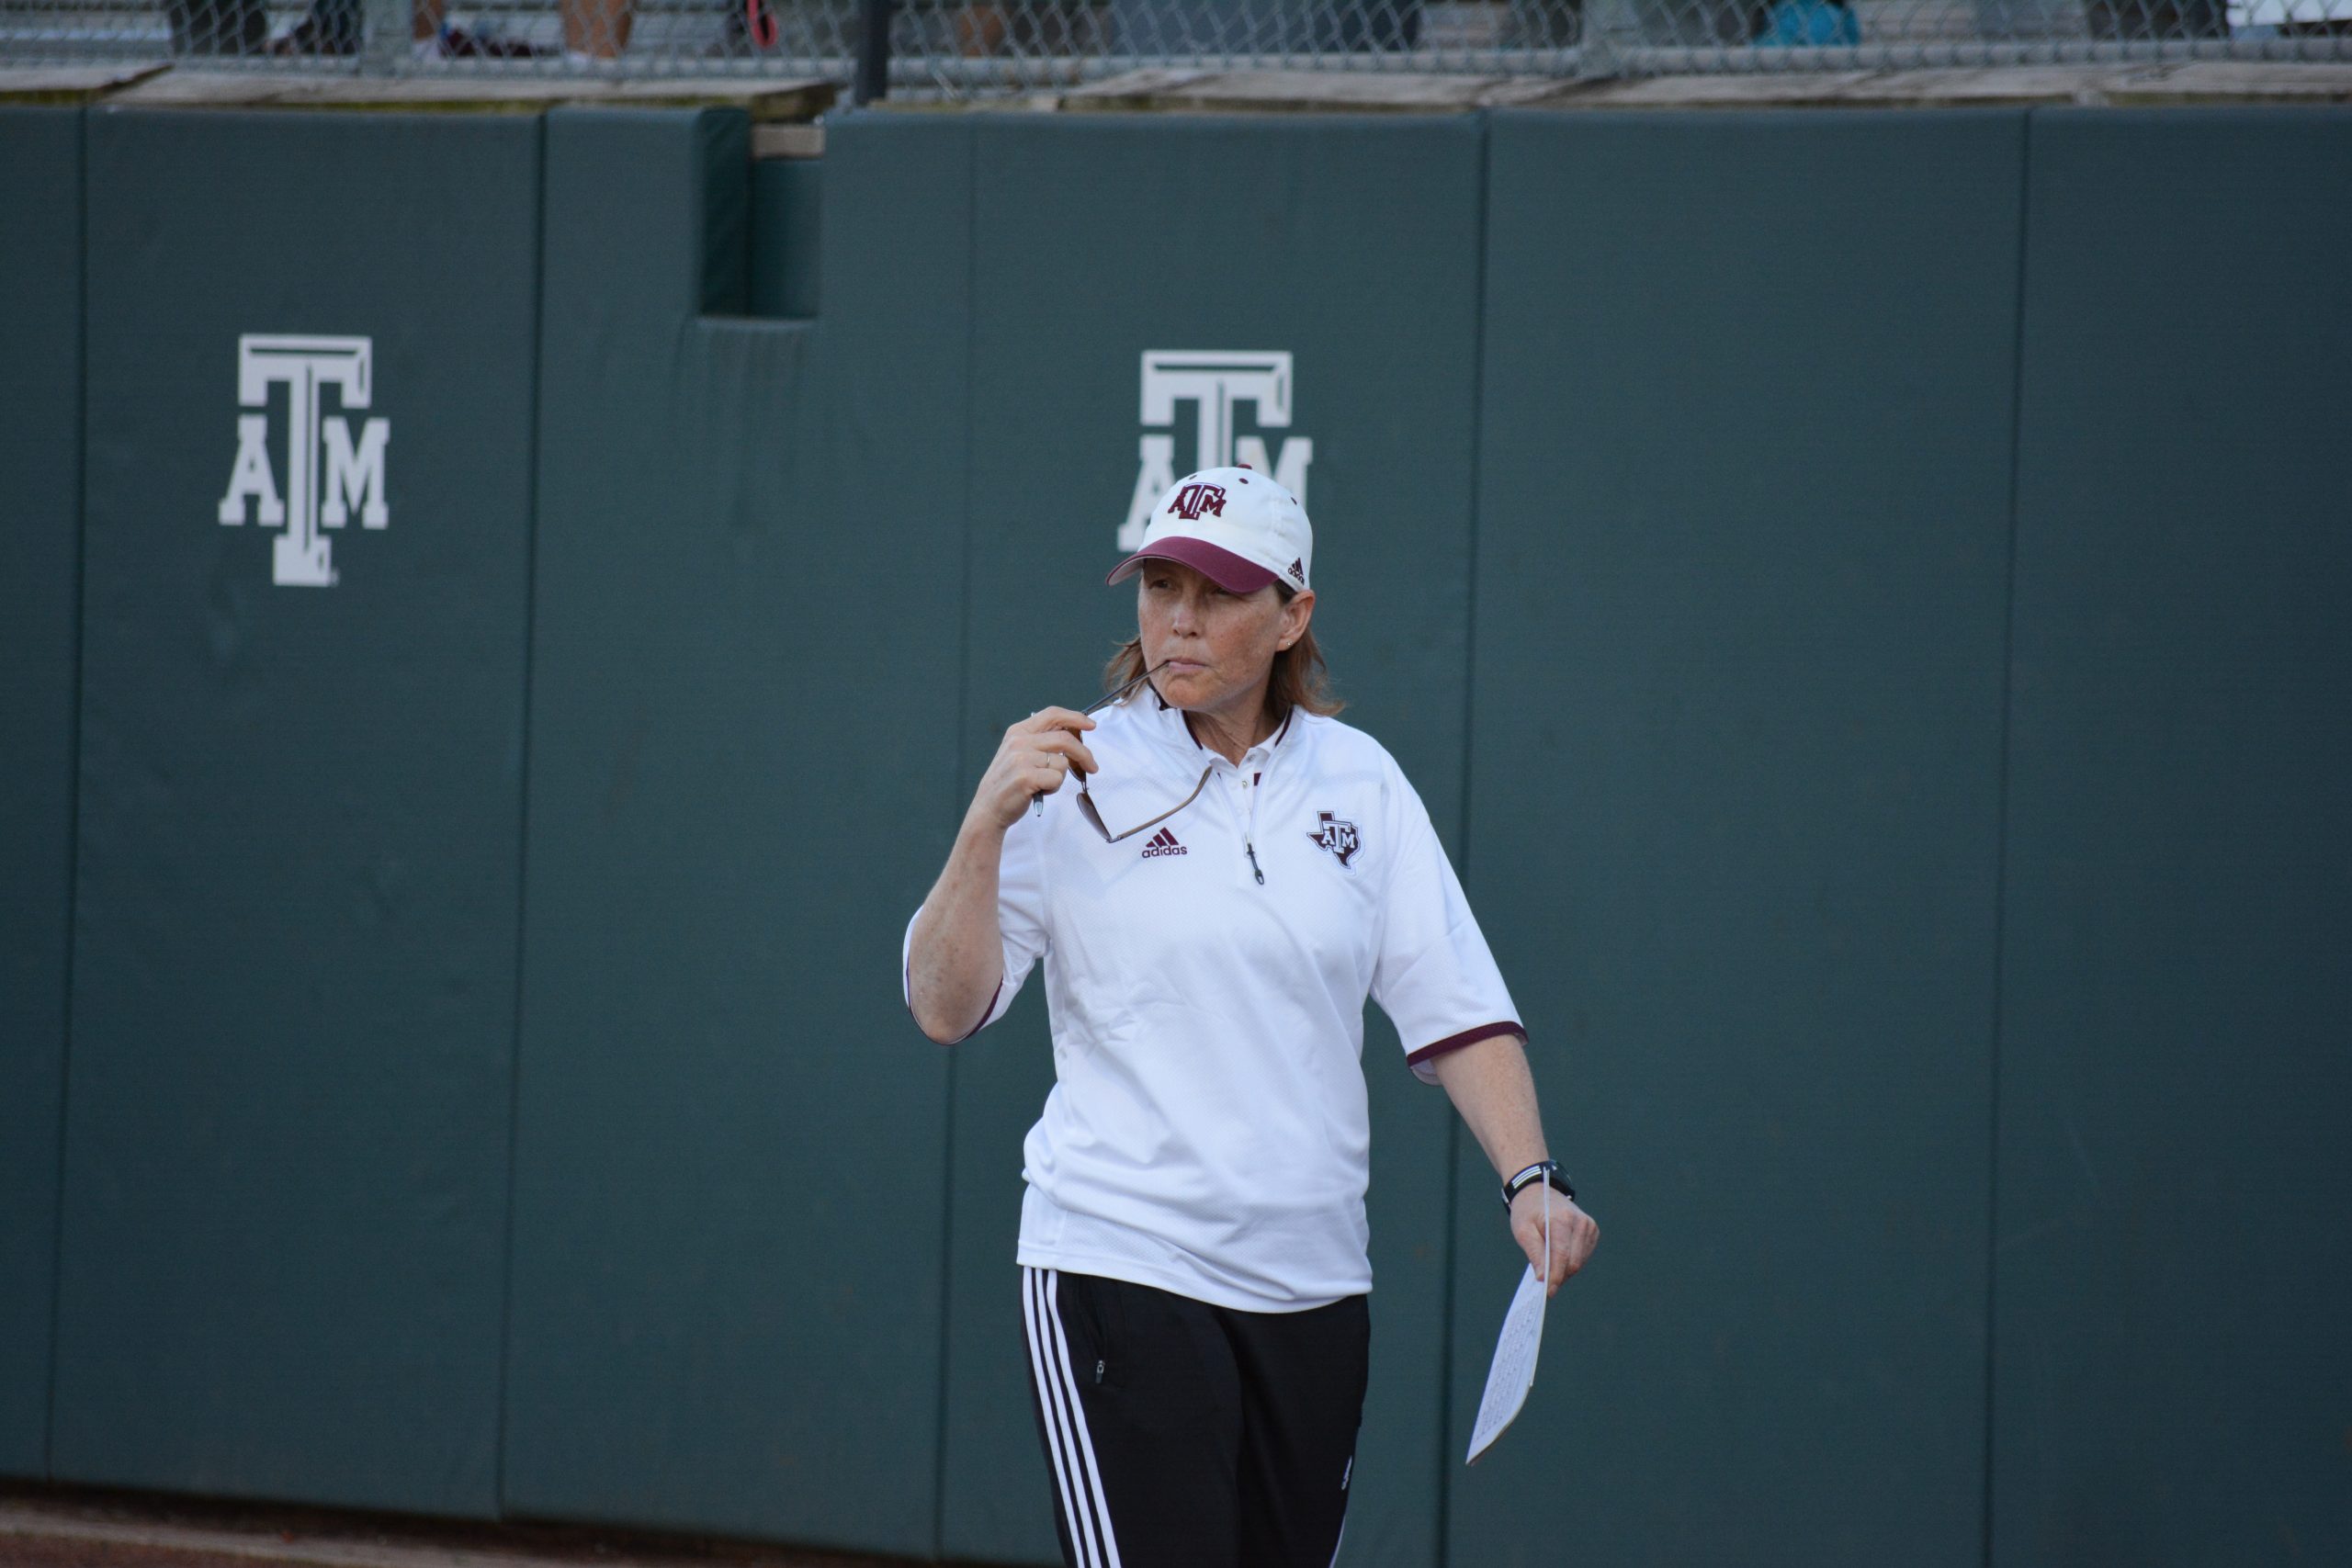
(74, 83)
(2231, 82)
(2183, 83)
(1300, 91)
(779, 103)
(788, 141)
(1311, 92)
(767, 101)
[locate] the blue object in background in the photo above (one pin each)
(1809, 24)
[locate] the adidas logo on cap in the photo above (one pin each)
(1164, 843)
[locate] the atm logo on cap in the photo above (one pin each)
(1193, 500)
(1214, 383)
(331, 471)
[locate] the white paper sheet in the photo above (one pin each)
(1513, 1371)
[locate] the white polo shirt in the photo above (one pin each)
(1208, 1132)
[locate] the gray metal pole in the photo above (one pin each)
(1610, 30)
(383, 37)
(873, 50)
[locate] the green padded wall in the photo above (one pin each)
(1733, 401)
(728, 1223)
(1351, 244)
(2170, 1346)
(40, 476)
(287, 1124)
(1743, 536)
(786, 230)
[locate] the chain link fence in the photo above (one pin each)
(634, 38)
(970, 47)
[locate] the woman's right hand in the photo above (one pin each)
(1032, 759)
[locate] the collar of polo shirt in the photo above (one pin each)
(1171, 731)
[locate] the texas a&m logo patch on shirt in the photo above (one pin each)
(1340, 837)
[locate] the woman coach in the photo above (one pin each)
(1234, 873)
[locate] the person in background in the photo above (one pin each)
(334, 28)
(595, 31)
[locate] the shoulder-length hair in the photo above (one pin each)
(1301, 680)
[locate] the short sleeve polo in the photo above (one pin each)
(1208, 1132)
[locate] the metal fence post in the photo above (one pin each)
(872, 50)
(383, 37)
(1609, 28)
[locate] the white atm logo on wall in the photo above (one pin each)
(1216, 381)
(352, 474)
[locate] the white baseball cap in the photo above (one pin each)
(1235, 526)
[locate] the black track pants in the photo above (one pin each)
(1180, 1435)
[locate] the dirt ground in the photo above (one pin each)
(29, 1551)
(82, 1528)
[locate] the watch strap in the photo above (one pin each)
(1543, 1171)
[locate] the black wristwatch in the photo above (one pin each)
(1541, 1171)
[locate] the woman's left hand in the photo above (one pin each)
(1574, 1234)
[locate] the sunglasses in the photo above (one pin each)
(1086, 806)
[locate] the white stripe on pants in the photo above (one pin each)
(1084, 1508)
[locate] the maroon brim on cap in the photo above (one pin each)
(1224, 568)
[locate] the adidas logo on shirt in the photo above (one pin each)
(1164, 843)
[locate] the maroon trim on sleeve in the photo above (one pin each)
(907, 986)
(1455, 1042)
(985, 1014)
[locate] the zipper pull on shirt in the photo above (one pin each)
(1245, 807)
